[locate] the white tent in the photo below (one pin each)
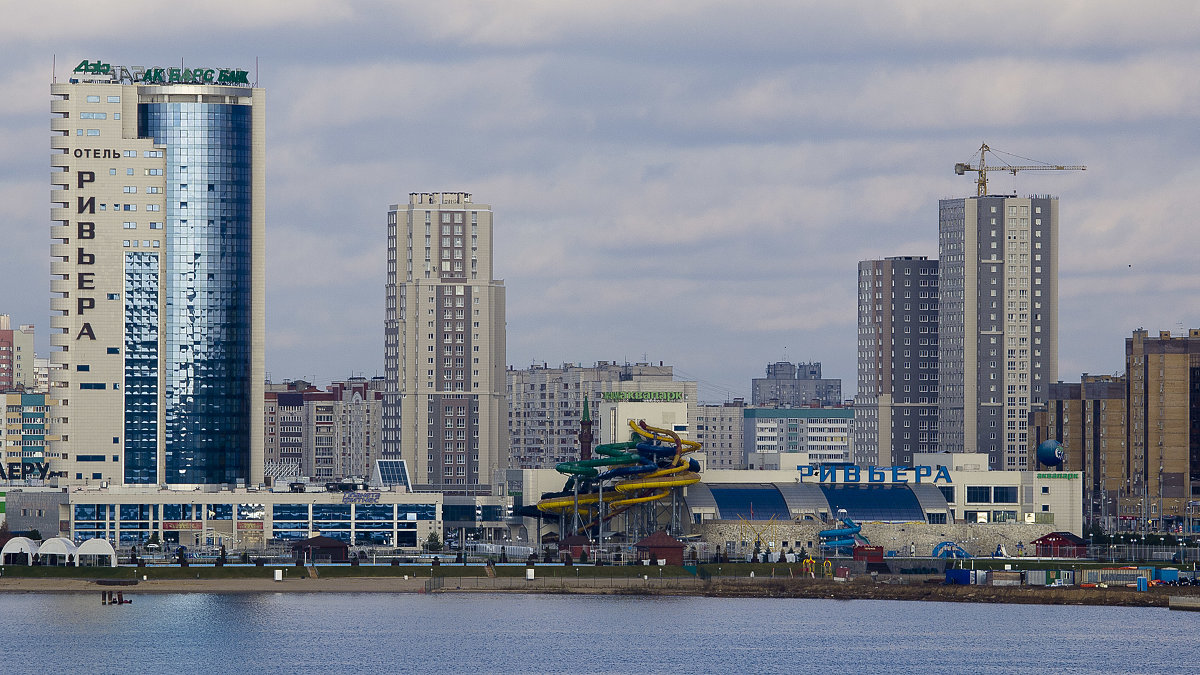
(57, 552)
(95, 553)
(17, 546)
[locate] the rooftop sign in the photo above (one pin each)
(641, 396)
(853, 473)
(101, 71)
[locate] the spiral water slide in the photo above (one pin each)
(642, 470)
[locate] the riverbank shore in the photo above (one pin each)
(724, 587)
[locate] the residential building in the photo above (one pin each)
(896, 407)
(771, 435)
(358, 424)
(157, 275)
(26, 438)
(444, 409)
(41, 375)
(1163, 460)
(997, 322)
(719, 427)
(545, 405)
(1089, 420)
(16, 357)
(790, 385)
(323, 435)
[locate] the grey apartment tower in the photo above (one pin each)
(997, 322)
(896, 407)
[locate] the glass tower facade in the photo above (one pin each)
(207, 359)
(141, 367)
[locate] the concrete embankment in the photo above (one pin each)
(724, 587)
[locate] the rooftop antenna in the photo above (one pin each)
(53, 69)
(256, 71)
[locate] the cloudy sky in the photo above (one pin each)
(685, 181)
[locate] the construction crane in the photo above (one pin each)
(961, 168)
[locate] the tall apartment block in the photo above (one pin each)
(1089, 419)
(546, 404)
(157, 231)
(16, 357)
(444, 410)
(791, 385)
(1164, 424)
(997, 322)
(896, 407)
(719, 427)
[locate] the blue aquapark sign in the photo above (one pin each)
(852, 473)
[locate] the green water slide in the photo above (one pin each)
(614, 455)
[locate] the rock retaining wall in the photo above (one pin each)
(905, 538)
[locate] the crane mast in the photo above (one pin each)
(962, 168)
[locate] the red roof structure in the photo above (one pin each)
(1059, 545)
(661, 546)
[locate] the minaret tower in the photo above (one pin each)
(585, 431)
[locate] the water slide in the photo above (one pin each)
(949, 549)
(842, 537)
(643, 470)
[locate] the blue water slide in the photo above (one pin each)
(949, 549)
(837, 538)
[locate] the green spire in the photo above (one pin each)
(587, 410)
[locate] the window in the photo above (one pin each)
(1004, 495)
(979, 494)
(113, 99)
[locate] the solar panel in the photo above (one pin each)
(392, 472)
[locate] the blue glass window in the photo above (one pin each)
(218, 511)
(417, 512)
(208, 327)
(141, 368)
(290, 512)
(374, 512)
(331, 512)
(250, 512)
(135, 512)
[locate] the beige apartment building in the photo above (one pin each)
(719, 427)
(545, 405)
(1089, 419)
(323, 435)
(17, 368)
(1164, 425)
(444, 409)
(157, 231)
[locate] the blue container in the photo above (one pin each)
(1168, 574)
(961, 577)
(1143, 584)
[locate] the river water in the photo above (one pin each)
(469, 633)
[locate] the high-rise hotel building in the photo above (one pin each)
(444, 406)
(997, 322)
(896, 407)
(157, 233)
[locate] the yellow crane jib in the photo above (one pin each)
(961, 168)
